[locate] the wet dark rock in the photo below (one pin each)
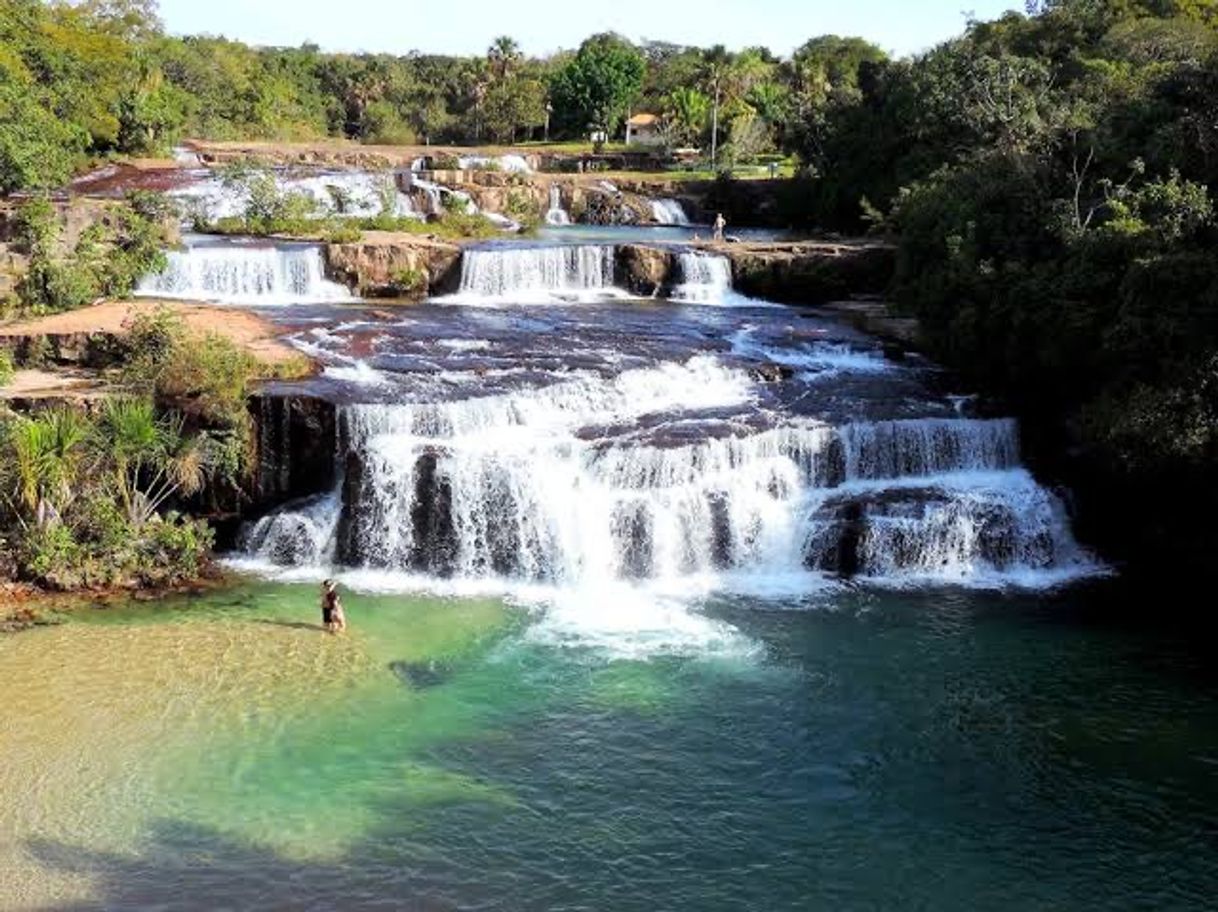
(296, 444)
(772, 373)
(645, 271)
(431, 516)
(632, 530)
(811, 273)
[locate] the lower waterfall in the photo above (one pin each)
(239, 273)
(514, 487)
(524, 274)
(557, 215)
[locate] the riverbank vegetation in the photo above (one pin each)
(1050, 182)
(103, 498)
(105, 260)
(98, 78)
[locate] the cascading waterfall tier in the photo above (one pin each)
(523, 274)
(344, 194)
(668, 212)
(557, 215)
(236, 273)
(705, 278)
(529, 486)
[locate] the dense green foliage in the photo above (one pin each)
(593, 90)
(1049, 179)
(107, 259)
(84, 497)
(100, 77)
(99, 499)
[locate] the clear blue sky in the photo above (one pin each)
(541, 26)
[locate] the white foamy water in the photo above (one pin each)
(510, 163)
(557, 215)
(616, 502)
(668, 212)
(245, 274)
(507, 488)
(537, 274)
(347, 194)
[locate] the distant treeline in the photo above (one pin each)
(101, 76)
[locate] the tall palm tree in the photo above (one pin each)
(716, 67)
(503, 55)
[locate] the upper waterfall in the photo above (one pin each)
(668, 212)
(557, 215)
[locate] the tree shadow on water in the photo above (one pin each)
(185, 868)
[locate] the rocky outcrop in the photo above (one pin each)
(809, 273)
(602, 206)
(296, 438)
(65, 349)
(394, 265)
(645, 271)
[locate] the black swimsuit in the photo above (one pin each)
(328, 602)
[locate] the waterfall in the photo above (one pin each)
(557, 215)
(668, 212)
(433, 202)
(245, 274)
(348, 194)
(522, 487)
(528, 274)
(705, 279)
(510, 163)
(188, 158)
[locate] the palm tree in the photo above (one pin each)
(48, 451)
(502, 55)
(686, 113)
(151, 459)
(716, 66)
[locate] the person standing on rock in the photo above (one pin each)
(720, 224)
(332, 616)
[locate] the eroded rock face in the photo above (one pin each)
(596, 206)
(809, 273)
(393, 265)
(296, 438)
(645, 271)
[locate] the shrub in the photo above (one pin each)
(6, 367)
(408, 281)
(108, 259)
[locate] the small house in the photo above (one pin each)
(644, 130)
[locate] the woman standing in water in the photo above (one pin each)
(332, 616)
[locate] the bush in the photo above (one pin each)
(6, 367)
(109, 259)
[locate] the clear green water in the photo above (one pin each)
(935, 751)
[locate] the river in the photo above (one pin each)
(685, 604)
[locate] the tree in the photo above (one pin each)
(686, 110)
(503, 55)
(37, 149)
(716, 66)
(597, 86)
